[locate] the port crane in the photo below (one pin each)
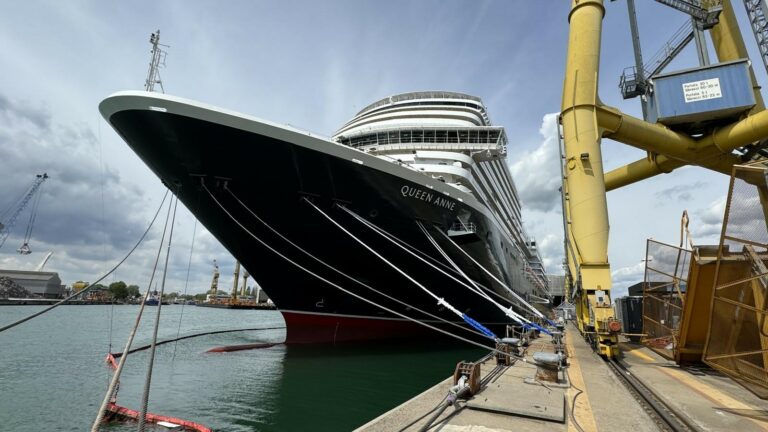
(215, 280)
(715, 144)
(11, 215)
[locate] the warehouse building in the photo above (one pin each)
(43, 284)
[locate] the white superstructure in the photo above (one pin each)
(449, 137)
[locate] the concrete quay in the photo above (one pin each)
(513, 400)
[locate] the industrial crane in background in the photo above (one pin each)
(714, 139)
(215, 280)
(11, 215)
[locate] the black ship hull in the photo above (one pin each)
(273, 170)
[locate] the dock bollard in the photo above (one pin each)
(557, 340)
(472, 373)
(507, 346)
(547, 366)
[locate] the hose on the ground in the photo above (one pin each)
(571, 412)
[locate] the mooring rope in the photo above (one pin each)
(440, 300)
(93, 285)
(507, 311)
(509, 290)
(392, 239)
(151, 363)
(186, 285)
(527, 324)
(178, 338)
(116, 377)
(342, 289)
(401, 244)
(361, 283)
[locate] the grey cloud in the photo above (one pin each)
(15, 111)
(664, 260)
(624, 277)
(552, 252)
(706, 223)
(70, 212)
(537, 173)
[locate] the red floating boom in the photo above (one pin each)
(229, 348)
(116, 411)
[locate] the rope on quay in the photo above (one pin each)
(340, 288)
(93, 285)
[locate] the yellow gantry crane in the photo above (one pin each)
(586, 120)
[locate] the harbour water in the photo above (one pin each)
(53, 375)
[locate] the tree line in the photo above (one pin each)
(121, 291)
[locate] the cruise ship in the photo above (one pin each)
(353, 237)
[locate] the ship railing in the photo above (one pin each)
(445, 135)
(462, 227)
(426, 146)
(421, 95)
(399, 162)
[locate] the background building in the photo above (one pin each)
(43, 284)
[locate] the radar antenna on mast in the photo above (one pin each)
(158, 61)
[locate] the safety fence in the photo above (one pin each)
(737, 342)
(664, 288)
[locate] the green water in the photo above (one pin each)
(53, 375)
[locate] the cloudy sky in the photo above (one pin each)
(311, 65)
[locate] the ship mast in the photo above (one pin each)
(158, 61)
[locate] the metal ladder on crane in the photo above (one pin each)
(756, 12)
(705, 12)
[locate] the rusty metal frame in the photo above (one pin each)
(664, 296)
(744, 371)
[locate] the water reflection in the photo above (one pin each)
(58, 359)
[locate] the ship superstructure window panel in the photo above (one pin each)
(491, 138)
